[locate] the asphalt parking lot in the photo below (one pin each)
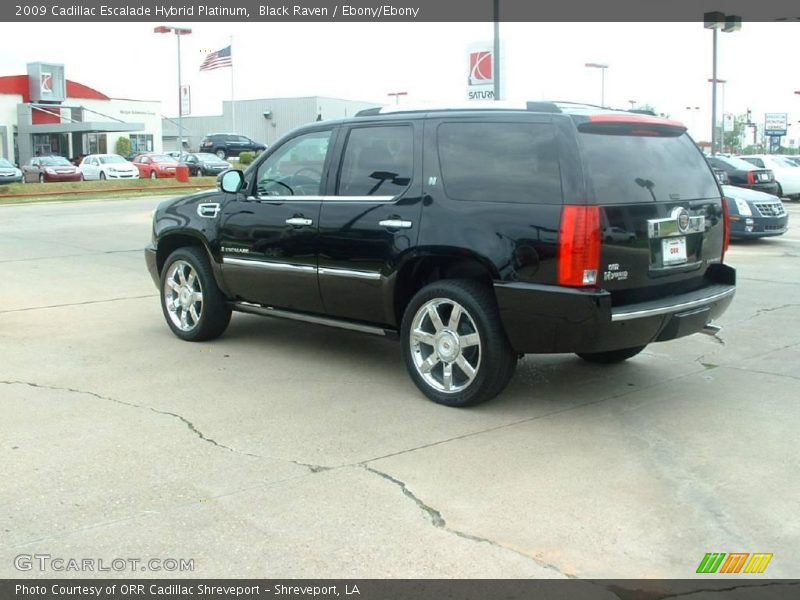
(290, 450)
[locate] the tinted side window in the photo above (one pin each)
(642, 168)
(499, 162)
(377, 161)
(295, 169)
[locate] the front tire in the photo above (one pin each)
(191, 301)
(612, 356)
(41, 178)
(454, 345)
(102, 176)
(153, 175)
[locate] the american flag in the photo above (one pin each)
(217, 60)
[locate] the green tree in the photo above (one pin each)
(123, 146)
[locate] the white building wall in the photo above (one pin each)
(146, 112)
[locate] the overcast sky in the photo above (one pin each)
(663, 64)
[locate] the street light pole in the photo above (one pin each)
(496, 51)
(728, 23)
(602, 68)
(179, 31)
(714, 80)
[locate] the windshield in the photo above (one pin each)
(55, 161)
(5, 163)
(112, 159)
(161, 158)
(785, 162)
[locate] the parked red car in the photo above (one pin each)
(155, 166)
(49, 168)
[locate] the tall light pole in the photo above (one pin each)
(179, 31)
(728, 23)
(602, 68)
(633, 104)
(722, 108)
(496, 50)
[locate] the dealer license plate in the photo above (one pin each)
(674, 250)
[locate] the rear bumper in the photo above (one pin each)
(547, 319)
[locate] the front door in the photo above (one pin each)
(268, 235)
(369, 219)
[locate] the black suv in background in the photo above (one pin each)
(476, 235)
(229, 144)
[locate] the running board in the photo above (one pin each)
(268, 311)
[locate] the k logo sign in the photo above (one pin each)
(46, 83)
(480, 68)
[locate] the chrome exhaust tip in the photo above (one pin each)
(711, 330)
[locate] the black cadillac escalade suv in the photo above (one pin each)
(477, 235)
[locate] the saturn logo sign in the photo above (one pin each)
(480, 68)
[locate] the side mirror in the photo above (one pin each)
(230, 181)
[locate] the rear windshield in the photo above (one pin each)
(633, 168)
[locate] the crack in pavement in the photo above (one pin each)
(14, 310)
(191, 426)
(761, 311)
(438, 521)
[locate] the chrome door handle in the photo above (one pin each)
(395, 224)
(298, 221)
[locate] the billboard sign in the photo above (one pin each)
(775, 124)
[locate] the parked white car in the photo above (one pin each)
(787, 174)
(108, 166)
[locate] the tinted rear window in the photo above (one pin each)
(500, 162)
(628, 168)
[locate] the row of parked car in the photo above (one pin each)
(45, 169)
(753, 186)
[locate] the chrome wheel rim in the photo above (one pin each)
(445, 345)
(183, 295)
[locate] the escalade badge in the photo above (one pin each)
(681, 215)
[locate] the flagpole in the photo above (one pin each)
(233, 98)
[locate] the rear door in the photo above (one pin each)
(370, 217)
(660, 205)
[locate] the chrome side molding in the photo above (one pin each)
(268, 311)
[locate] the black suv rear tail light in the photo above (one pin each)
(579, 246)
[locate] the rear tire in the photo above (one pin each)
(454, 345)
(102, 176)
(153, 175)
(780, 191)
(220, 154)
(41, 178)
(611, 356)
(191, 301)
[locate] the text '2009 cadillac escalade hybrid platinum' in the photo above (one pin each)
(476, 235)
